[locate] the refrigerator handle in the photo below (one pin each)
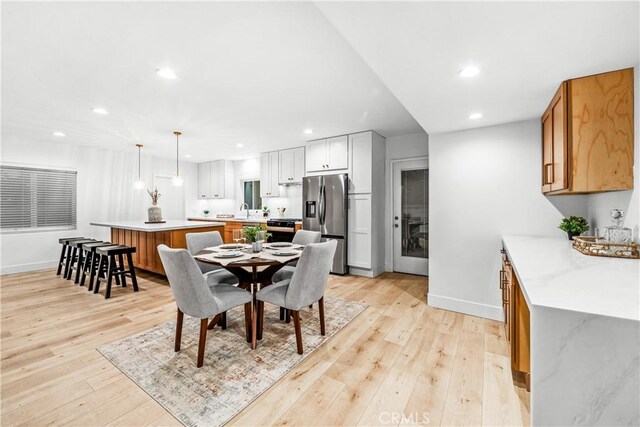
(320, 202)
(323, 204)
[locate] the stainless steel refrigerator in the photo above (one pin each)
(324, 209)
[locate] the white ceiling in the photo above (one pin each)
(524, 51)
(250, 73)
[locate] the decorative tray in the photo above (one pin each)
(589, 246)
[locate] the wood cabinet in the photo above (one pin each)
(517, 320)
(291, 169)
(229, 226)
(215, 180)
(269, 174)
(331, 154)
(146, 243)
(587, 135)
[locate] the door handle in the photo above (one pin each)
(548, 173)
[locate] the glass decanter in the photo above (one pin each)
(616, 233)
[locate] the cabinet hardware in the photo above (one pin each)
(395, 225)
(548, 173)
(395, 217)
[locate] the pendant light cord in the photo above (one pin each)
(177, 155)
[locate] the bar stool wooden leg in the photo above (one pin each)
(110, 268)
(87, 266)
(71, 257)
(79, 266)
(133, 272)
(122, 270)
(64, 247)
(95, 268)
(101, 273)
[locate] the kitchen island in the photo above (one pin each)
(584, 332)
(147, 237)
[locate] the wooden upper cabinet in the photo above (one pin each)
(587, 135)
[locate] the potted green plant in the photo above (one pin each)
(256, 235)
(574, 226)
(206, 212)
(265, 211)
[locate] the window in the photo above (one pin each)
(252, 194)
(33, 198)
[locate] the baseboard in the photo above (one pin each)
(366, 272)
(23, 268)
(466, 307)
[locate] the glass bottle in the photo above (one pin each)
(616, 233)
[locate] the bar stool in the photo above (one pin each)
(91, 261)
(75, 260)
(109, 268)
(65, 253)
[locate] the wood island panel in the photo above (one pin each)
(146, 256)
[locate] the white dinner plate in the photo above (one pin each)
(231, 246)
(285, 252)
(228, 254)
(280, 245)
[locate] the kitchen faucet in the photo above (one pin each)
(242, 206)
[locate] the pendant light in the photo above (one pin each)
(139, 184)
(177, 180)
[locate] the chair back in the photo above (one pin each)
(198, 241)
(309, 280)
(306, 237)
(188, 285)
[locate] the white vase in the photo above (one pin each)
(155, 214)
(256, 246)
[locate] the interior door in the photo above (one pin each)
(411, 217)
(171, 198)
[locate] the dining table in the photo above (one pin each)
(254, 269)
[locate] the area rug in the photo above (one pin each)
(233, 375)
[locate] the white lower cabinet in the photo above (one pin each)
(359, 252)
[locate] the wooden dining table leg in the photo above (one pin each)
(254, 320)
(247, 321)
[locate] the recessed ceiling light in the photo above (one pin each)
(469, 71)
(239, 145)
(166, 73)
(308, 131)
(188, 156)
(475, 116)
(58, 134)
(99, 110)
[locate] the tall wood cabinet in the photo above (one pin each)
(587, 135)
(517, 320)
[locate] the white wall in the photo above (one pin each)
(399, 147)
(485, 183)
(600, 205)
(105, 192)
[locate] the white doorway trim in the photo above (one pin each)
(157, 177)
(390, 202)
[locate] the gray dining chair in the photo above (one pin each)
(302, 237)
(195, 298)
(214, 273)
(306, 286)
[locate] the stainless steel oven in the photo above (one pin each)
(282, 229)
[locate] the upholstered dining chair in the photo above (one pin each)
(306, 286)
(302, 237)
(213, 273)
(195, 298)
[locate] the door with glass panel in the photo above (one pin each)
(411, 216)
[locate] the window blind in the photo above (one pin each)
(32, 198)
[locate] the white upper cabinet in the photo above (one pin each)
(338, 153)
(204, 180)
(269, 171)
(330, 154)
(316, 158)
(367, 163)
(291, 166)
(215, 180)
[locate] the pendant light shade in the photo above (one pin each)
(139, 184)
(177, 180)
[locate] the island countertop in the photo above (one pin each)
(554, 275)
(167, 226)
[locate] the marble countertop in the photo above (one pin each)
(169, 225)
(553, 274)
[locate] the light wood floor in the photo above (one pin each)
(400, 357)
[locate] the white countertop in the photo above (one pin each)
(213, 218)
(169, 225)
(553, 274)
